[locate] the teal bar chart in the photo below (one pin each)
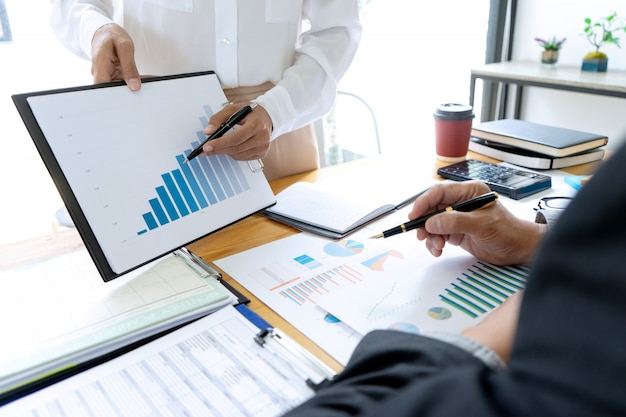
(483, 287)
(193, 186)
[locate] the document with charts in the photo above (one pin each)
(335, 291)
(117, 158)
(212, 367)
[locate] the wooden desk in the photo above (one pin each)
(568, 78)
(251, 232)
(258, 230)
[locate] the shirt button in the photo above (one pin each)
(226, 41)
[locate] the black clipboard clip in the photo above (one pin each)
(314, 372)
(205, 270)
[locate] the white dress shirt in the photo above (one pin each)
(303, 46)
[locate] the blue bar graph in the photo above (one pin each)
(175, 193)
(191, 179)
(158, 211)
(198, 173)
(167, 203)
(184, 188)
(210, 174)
(221, 176)
(193, 186)
(306, 260)
(149, 218)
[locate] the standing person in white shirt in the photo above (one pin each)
(286, 55)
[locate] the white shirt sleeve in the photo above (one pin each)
(307, 89)
(304, 47)
(76, 21)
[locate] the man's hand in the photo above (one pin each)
(113, 57)
(492, 234)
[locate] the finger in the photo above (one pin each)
(125, 51)
(243, 152)
(221, 117)
(103, 66)
(250, 138)
(456, 222)
(435, 245)
(442, 195)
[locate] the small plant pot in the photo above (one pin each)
(549, 58)
(595, 64)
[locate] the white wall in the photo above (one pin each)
(413, 55)
(34, 60)
(565, 18)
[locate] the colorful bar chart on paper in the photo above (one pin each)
(193, 186)
(306, 260)
(483, 287)
(307, 291)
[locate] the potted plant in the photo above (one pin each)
(598, 33)
(551, 47)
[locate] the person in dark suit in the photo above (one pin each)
(560, 352)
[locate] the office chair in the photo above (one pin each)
(349, 131)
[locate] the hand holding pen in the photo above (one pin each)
(236, 117)
(472, 204)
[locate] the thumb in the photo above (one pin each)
(451, 222)
(219, 118)
(128, 68)
(130, 74)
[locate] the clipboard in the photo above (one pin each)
(116, 156)
(221, 360)
(69, 319)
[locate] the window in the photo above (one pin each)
(413, 56)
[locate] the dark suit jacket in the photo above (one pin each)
(569, 356)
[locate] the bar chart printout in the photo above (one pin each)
(120, 157)
(483, 287)
(295, 274)
(447, 295)
(195, 185)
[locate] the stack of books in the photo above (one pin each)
(534, 145)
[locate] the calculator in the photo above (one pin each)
(512, 182)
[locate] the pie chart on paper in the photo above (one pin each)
(343, 248)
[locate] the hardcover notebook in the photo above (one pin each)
(531, 159)
(116, 157)
(544, 139)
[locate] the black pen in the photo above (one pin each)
(232, 121)
(472, 204)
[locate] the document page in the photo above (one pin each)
(58, 312)
(212, 367)
(335, 291)
(121, 170)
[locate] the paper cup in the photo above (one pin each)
(453, 127)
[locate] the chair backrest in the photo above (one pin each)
(349, 131)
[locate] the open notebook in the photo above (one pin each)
(336, 207)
